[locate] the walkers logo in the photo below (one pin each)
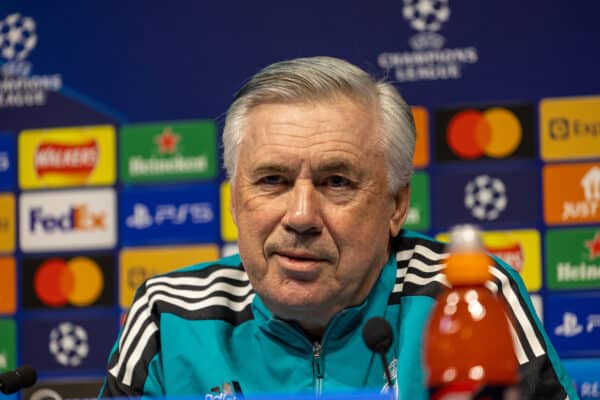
(168, 151)
(165, 215)
(8, 284)
(67, 220)
(494, 197)
(519, 248)
(573, 324)
(487, 133)
(67, 157)
(7, 161)
(139, 264)
(59, 390)
(418, 213)
(573, 258)
(572, 193)
(421, 156)
(429, 60)
(74, 282)
(18, 38)
(7, 223)
(570, 128)
(67, 344)
(8, 345)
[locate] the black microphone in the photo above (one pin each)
(378, 337)
(22, 377)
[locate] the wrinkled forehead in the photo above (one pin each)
(338, 119)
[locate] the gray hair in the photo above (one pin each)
(323, 78)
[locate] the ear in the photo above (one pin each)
(400, 212)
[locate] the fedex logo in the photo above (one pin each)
(68, 220)
(78, 218)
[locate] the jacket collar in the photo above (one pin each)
(345, 323)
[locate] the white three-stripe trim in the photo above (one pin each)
(519, 313)
(144, 304)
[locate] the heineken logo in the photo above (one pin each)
(139, 166)
(168, 152)
(572, 257)
(594, 246)
(167, 141)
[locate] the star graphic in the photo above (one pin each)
(594, 246)
(167, 141)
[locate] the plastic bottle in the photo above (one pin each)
(469, 351)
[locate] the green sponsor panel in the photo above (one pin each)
(573, 258)
(8, 344)
(418, 218)
(168, 151)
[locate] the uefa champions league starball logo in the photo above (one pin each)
(17, 37)
(485, 197)
(426, 15)
(69, 344)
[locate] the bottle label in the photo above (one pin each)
(473, 391)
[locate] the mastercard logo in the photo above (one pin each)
(495, 133)
(78, 282)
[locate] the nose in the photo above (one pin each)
(303, 213)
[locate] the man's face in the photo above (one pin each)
(311, 202)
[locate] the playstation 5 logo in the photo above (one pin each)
(195, 213)
(570, 326)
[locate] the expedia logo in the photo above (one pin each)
(563, 128)
(491, 133)
(78, 218)
(67, 220)
(569, 128)
(66, 158)
(57, 282)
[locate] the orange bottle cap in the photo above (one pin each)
(468, 268)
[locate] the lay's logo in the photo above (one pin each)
(67, 220)
(58, 158)
(63, 157)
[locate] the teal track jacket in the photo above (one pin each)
(202, 331)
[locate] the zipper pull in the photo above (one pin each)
(317, 368)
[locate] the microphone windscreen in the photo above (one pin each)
(11, 382)
(27, 374)
(378, 335)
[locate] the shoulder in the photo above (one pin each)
(420, 261)
(218, 290)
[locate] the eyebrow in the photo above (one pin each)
(337, 166)
(270, 169)
(326, 167)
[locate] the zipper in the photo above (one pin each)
(317, 361)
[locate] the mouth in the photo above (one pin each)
(302, 266)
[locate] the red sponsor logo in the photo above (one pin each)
(511, 254)
(69, 159)
(594, 246)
